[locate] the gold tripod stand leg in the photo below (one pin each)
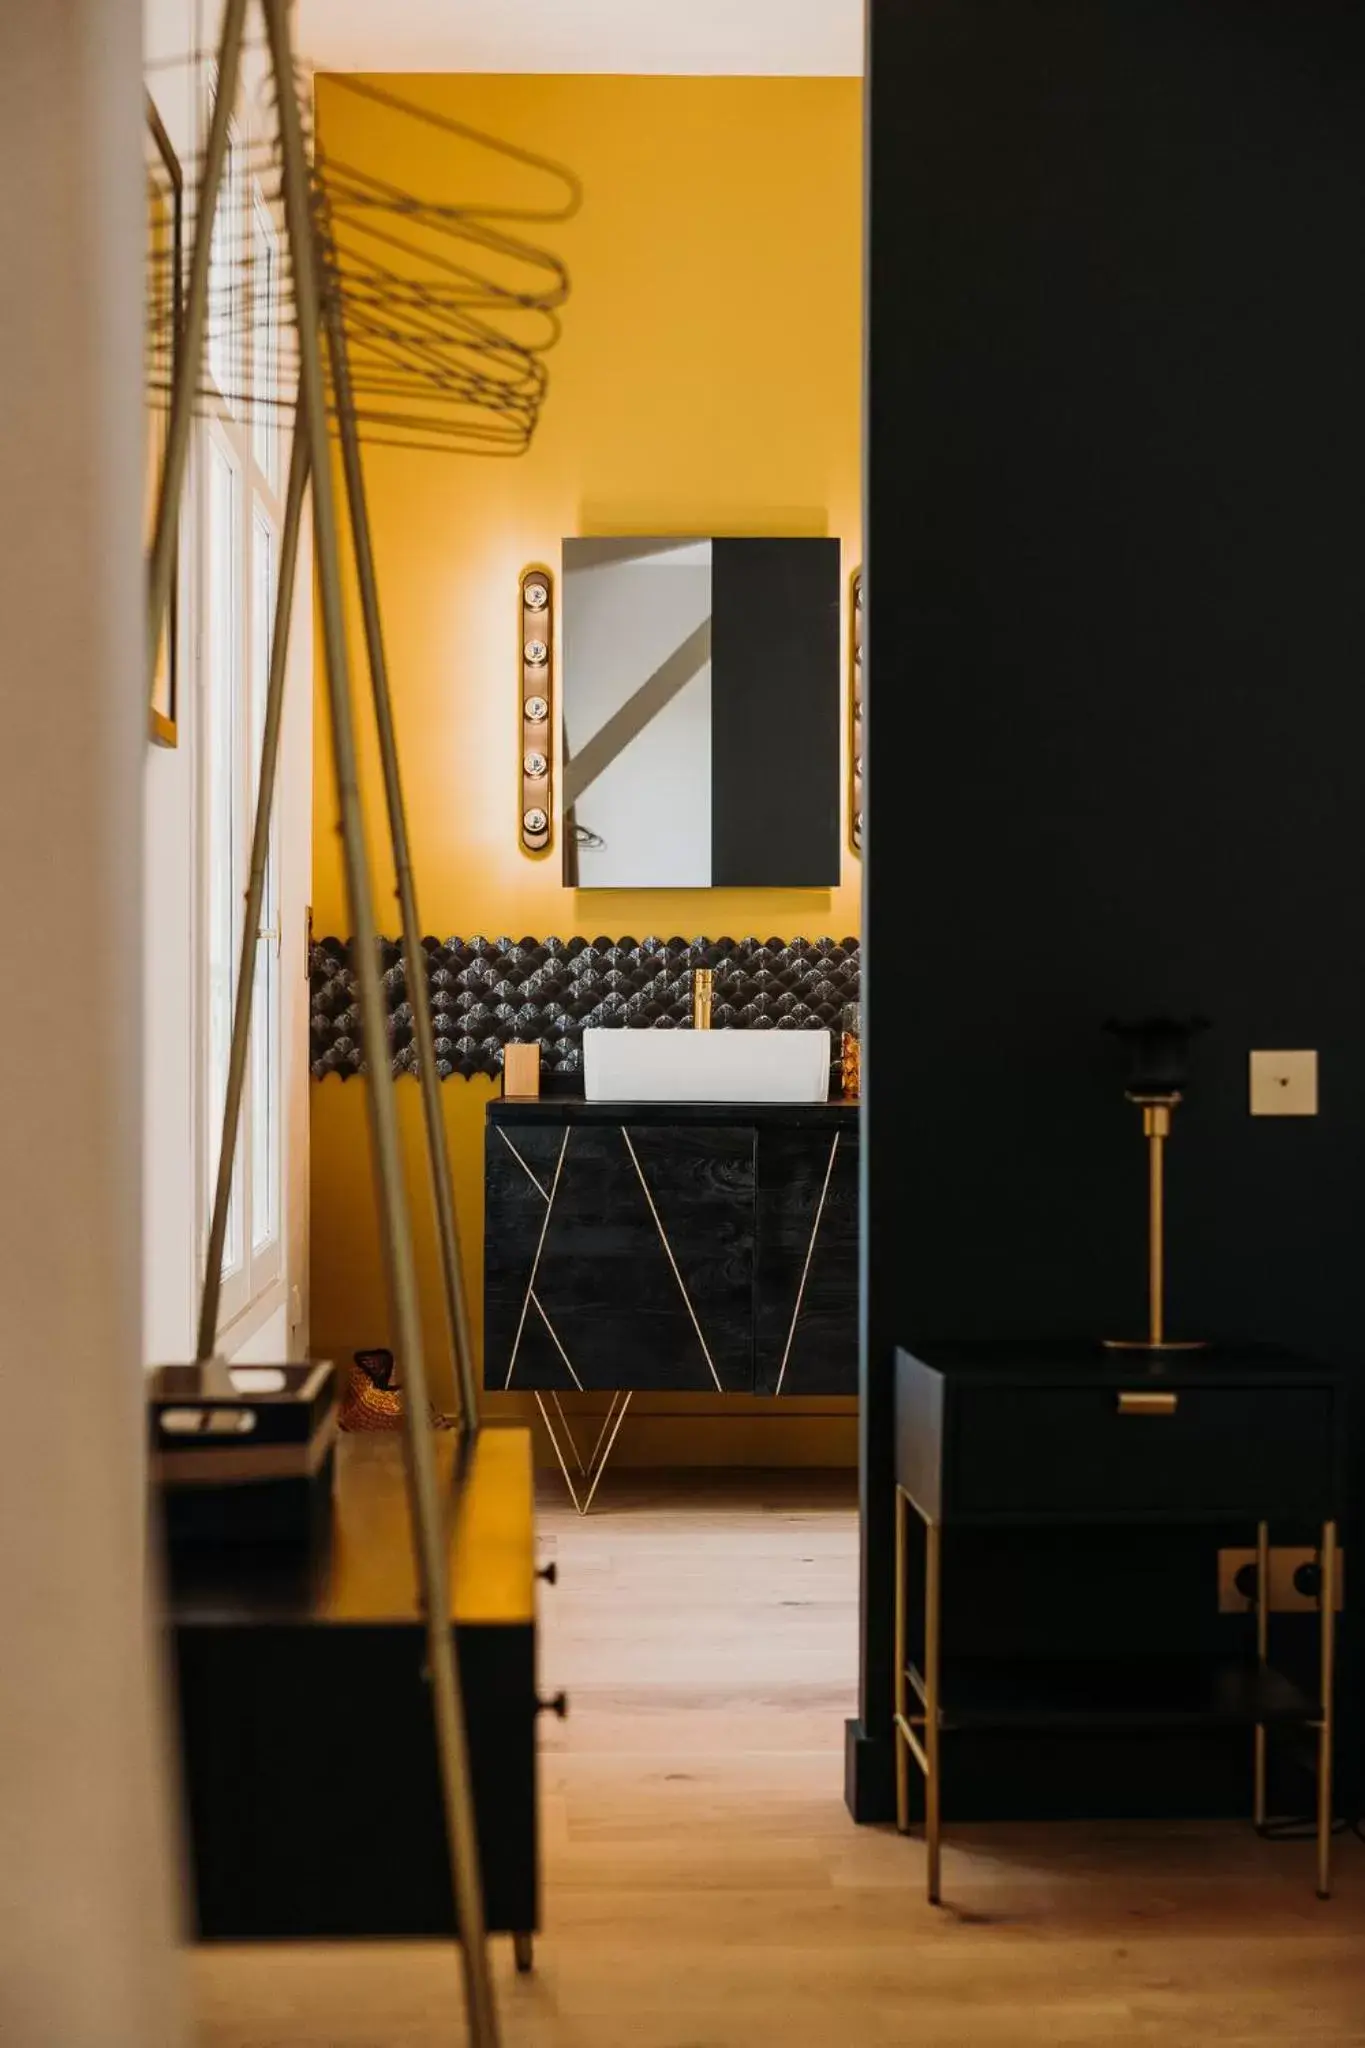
(194, 320)
(414, 957)
(255, 895)
(429, 1533)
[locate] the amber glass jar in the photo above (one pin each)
(851, 1060)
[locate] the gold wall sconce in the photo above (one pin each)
(855, 715)
(537, 701)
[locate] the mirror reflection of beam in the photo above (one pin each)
(654, 695)
(576, 836)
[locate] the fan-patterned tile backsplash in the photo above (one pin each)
(485, 993)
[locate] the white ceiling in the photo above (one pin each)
(816, 38)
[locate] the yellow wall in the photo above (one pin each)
(708, 381)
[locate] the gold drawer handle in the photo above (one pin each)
(1147, 1404)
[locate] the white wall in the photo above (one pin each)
(169, 811)
(86, 1957)
(176, 1167)
(732, 38)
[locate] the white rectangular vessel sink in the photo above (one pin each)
(705, 1066)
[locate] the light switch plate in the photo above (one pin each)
(1284, 1084)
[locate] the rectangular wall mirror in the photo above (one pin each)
(701, 684)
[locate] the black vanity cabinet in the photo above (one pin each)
(700, 1247)
(806, 1260)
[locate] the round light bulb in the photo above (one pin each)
(536, 710)
(537, 653)
(535, 821)
(536, 596)
(534, 764)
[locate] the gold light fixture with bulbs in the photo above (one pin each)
(537, 746)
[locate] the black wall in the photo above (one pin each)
(1116, 674)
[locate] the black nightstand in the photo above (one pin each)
(1026, 1435)
(312, 1782)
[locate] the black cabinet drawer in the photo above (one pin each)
(669, 1248)
(1107, 1450)
(806, 1263)
(619, 1255)
(333, 1834)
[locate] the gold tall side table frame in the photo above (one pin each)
(921, 1718)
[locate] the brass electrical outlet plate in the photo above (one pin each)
(537, 709)
(855, 713)
(1285, 1597)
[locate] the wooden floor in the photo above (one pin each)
(706, 1889)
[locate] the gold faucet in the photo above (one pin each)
(701, 998)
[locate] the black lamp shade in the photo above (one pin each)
(1157, 1050)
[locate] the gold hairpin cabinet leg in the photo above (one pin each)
(1327, 1598)
(591, 1473)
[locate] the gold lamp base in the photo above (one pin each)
(1162, 1344)
(1156, 1128)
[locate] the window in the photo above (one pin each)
(240, 564)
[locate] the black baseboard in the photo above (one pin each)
(869, 1774)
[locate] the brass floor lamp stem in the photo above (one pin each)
(428, 1517)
